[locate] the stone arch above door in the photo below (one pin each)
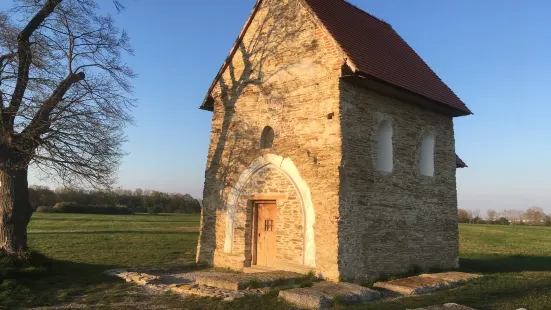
(288, 168)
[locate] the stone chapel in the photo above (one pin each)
(332, 148)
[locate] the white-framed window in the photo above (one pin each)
(426, 160)
(384, 148)
(267, 138)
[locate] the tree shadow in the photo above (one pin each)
(487, 293)
(499, 288)
(44, 281)
(495, 263)
(252, 73)
(112, 232)
(69, 219)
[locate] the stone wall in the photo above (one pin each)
(393, 222)
(285, 75)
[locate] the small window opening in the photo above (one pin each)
(268, 225)
(426, 164)
(384, 148)
(267, 138)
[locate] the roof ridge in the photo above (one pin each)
(365, 12)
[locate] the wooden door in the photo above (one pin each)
(266, 214)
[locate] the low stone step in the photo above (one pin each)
(255, 269)
(426, 283)
(184, 282)
(278, 267)
(239, 281)
(322, 295)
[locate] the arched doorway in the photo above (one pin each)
(275, 180)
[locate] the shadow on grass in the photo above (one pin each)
(42, 281)
(487, 293)
(118, 220)
(111, 232)
(48, 282)
(503, 286)
(492, 263)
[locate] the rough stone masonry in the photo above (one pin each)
(336, 215)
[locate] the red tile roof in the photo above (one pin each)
(379, 52)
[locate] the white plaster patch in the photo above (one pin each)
(287, 167)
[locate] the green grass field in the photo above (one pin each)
(516, 262)
(83, 246)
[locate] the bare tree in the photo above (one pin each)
(535, 216)
(64, 102)
(464, 216)
(492, 215)
(514, 216)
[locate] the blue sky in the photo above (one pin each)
(494, 54)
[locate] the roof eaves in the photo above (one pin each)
(458, 112)
(459, 162)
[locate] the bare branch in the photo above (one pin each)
(70, 118)
(3, 58)
(25, 60)
(41, 121)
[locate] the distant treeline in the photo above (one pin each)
(532, 216)
(73, 207)
(146, 201)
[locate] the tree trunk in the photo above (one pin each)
(15, 211)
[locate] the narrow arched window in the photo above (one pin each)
(426, 164)
(267, 138)
(384, 147)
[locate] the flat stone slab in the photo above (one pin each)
(321, 295)
(182, 282)
(449, 306)
(452, 276)
(241, 281)
(426, 283)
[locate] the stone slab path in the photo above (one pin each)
(230, 285)
(426, 283)
(446, 307)
(322, 295)
(206, 283)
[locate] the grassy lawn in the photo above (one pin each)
(516, 262)
(515, 259)
(83, 246)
